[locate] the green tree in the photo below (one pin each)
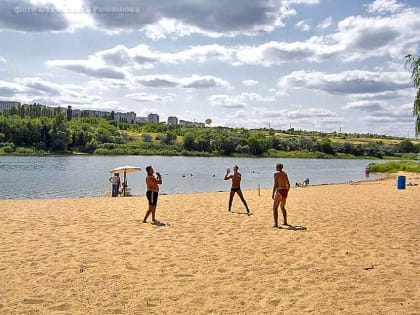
(256, 144)
(406, 146)
(326, 147)
(413, 64)
(189, 142)
(60, 135)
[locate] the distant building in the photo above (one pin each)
(126, 117)
(76, 113)
(186, 123)
(95, 113)
(140, 120)
(153, 118)
(6, 106)
(172, 120)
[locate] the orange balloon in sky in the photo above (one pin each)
(208, 121)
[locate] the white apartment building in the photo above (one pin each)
(172, 120)
(129, 117)
(140, 120)
(6, 106)
(153, 118)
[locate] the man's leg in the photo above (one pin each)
(232, 193)
(243, 200)
(283, 210)
(276, 203)
(153, 209)
(147, 214)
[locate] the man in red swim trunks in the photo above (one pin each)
(280, 190)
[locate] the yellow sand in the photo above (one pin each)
(356, 252)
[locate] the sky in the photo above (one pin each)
(324, 65)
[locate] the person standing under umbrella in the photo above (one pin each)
(152, 192)
(115, 181)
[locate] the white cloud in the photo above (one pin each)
(366, 105)
(160, 19)
(89, 68)
(326, 23)
(241, 100)
(35, 89)
(347, 82)
(192, 82)
(2, 59)
(250, 82)
(204, 82)
(303, 25)
(10, 89)
(274, 53)
(364, 37)
(25, 16)
(384, 6)
(152, 98)
(356, 38)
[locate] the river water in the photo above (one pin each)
(86, 176)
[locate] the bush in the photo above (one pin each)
(395, 166)
(146, 137)
(24, 151)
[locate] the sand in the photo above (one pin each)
(354, 249)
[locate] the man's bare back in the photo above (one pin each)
(280, 191)
(281, 180)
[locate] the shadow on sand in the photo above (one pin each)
(245, 213)
(293, 227)
(158, 223)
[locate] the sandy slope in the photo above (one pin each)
(354, 250)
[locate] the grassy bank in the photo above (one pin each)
(395, 166)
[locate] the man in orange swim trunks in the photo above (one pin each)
(280, 190)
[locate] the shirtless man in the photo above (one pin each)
(280, 190)
(152, 192)
(236, 187)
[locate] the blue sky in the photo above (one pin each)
(308, 64)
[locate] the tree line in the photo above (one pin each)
(103, 136)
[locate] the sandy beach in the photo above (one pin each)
(353, 249)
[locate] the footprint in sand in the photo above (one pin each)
(113, 311)
(33, 301)
(60, 307)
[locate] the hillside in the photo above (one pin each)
(91, 135)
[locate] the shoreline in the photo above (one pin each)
(385, 176)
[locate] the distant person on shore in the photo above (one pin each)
(236, 187)
(306, 182)
(116, 182)
(152, 192)
(280, 191)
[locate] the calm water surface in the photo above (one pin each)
(85, 176)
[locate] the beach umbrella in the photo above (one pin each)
(125, 169)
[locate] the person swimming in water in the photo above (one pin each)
(236, 187)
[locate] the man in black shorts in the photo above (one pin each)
(236, 187)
